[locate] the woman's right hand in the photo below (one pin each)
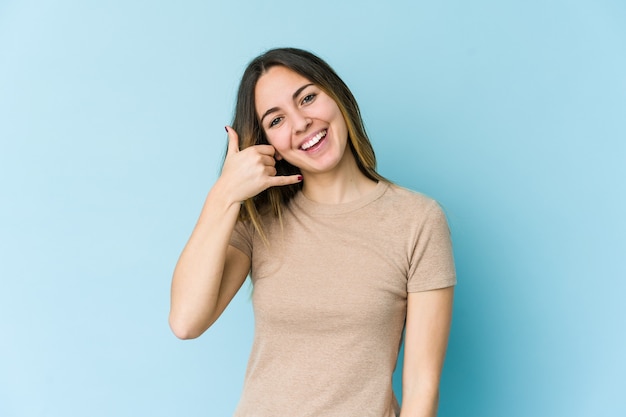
(248, 172)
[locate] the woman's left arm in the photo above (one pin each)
(428, 318)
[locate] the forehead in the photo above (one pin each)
(277, 83)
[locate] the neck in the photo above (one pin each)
(337, 187)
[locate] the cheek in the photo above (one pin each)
(278, 140)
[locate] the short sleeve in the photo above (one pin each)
(432, 261)
(241, 238)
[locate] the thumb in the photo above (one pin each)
(233, 140)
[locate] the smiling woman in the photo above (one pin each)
(305, 128)
(341, 260)
(319, 75)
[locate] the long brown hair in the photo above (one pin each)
(246, 124)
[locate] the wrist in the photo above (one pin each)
(222, 192)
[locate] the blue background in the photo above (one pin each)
(510, 113)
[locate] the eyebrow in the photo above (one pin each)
(294, 95)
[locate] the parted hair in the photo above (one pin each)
(246, 124)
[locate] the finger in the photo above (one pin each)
(265, 149)
(233, 140)
(270, 171)
(285, 180)
(268, 160)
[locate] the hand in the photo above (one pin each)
(248, 172)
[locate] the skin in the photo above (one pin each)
(428, 319)
(330, 172)
(209, 271)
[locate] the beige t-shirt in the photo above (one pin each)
(329, 300)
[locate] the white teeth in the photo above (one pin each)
(306, 145)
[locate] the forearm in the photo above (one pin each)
(198, 274)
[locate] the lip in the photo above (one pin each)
(311, 136)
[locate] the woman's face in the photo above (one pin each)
(303, 123)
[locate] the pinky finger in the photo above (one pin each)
(286, 180)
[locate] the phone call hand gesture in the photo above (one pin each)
(248, 172)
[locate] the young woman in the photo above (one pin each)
(341, 260)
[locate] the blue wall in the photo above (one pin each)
(511, 114)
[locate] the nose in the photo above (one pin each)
(300, 122)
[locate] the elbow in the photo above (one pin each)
(423, 390)
(182, 329)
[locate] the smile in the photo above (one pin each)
(314, 140)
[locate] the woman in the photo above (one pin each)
(341, 260)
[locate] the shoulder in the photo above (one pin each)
(410, 201)
(413, 210)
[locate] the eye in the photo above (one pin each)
(308, 98)
(275, 121)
